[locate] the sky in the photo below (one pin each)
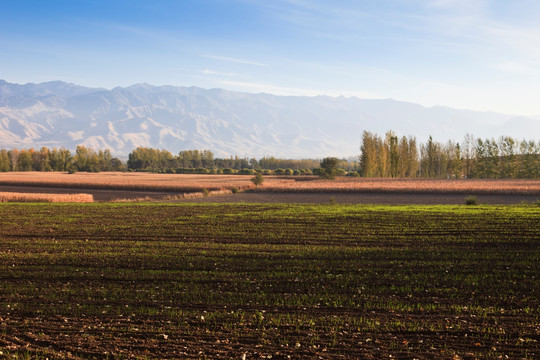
(468, 54)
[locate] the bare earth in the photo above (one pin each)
(355, 198)
(276, 197)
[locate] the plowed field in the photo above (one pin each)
(116, 281)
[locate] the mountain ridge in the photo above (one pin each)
(55, 114)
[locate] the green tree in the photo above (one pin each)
(529, 166)
(383, 162)
(86, 159)
(4, 161)
(14, 159)
(258, 179)
(25, 160)
(427, 163)
(508, 162)
(42, 160)
(412, 158)
(143, 158)
(329, 168)
(469, 154)
(60, 159)
(117, 165)
(456, 170)
(368, 155)
(393, 152)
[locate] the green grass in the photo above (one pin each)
(269, 279)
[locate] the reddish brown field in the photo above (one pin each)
(386, 185)
(127, 181)
(146, 186)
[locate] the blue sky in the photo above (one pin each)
(470, 54)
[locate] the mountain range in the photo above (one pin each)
(59, 114)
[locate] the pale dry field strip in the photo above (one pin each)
(195, 183)
(128, 181)
(386, 185)
(37, 197)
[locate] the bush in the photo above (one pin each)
(288, 172)
(246, 172)
(471, 200)
(234, 190)
(329, 168)
(258, 179)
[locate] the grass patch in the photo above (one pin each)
(471, 200)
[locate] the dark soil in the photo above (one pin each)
(273, 197)
(279, 281)
(357, 198)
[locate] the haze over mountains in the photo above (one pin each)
(59, 114)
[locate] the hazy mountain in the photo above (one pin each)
(56, 114)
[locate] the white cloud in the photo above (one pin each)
(269, 88)
(459, 5)
(236, 60)
(218, 73)
(293, 91)
(525, 40)
(516, 67)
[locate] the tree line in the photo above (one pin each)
(204, 162)
(148, 159)
(380, 156)
(45, 159)
(393, 156)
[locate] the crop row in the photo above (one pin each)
(170, 280)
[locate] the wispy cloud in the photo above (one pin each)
(236, 60)
(293, 91)
(484, 31)
(466, 6)
(335, 20)
(269, 88)
(519, 68)
(219, 73)
(138, 31)
(526, 40)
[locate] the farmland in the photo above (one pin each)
(126, 181)
(151, 280)
(117, 185)
(44, 197)
(192, 183)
